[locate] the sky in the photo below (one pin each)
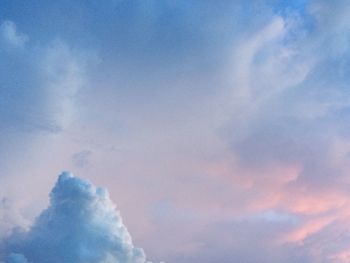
(193, 131)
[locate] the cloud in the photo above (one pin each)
(10, 217)
(284, 113)
(11, 36)
(16, 258)
(39, 85)
(81, 224)
(81, 159)
(39, 81)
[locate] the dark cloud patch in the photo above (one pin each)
(81, 159)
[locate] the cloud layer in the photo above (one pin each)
(81, 225)
(215, 122)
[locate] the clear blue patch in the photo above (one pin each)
(299, 6)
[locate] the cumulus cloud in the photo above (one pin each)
(81, 224)
(10, 217)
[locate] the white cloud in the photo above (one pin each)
(80, 225)
(10, 35)
(63, 75)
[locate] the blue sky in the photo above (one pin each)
(220, 129)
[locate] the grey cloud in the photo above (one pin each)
(81, 159)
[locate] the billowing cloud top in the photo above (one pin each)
(81, 224)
